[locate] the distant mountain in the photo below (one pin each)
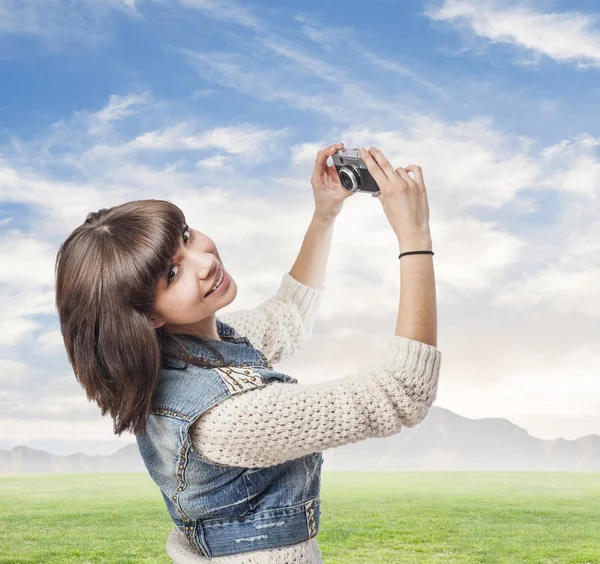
(24, 460)
(444, 441)
(447, 441)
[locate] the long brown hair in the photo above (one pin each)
(106, 272)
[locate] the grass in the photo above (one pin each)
(384, 517)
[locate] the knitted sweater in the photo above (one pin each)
(280, 422)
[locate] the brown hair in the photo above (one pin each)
(106, 272)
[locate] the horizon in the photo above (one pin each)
(104, 450)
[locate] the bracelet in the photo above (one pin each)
(416, 253)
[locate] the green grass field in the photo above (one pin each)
(390, 517)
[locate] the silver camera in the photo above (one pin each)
(353, 172)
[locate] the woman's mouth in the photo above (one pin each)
(222, 284)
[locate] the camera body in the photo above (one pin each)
(353, 172)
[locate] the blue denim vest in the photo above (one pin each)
(221, 509)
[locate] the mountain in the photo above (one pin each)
(444, 441)
(447, 441)
(23, 460)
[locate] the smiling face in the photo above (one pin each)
(181, 300)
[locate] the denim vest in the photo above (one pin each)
(224, 510)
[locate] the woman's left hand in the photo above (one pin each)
(327, 188)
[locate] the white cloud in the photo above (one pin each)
(26, 259)
(216, 161)
(327, 37)
(225, 10)
(51, 342)
(59, 22)
(579, 173)
(32, 429)
(202, 93)
(11, 371)
(306, 153)
(16, 327)
(241, 139)
(59, 202)
(25, 285)
(567, 37)
(120, 107)
(19, 304)
(261, 83)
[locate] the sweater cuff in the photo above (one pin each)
(419, 364)
(396, 342)
(305, 298)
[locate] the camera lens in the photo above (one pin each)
(350, 181)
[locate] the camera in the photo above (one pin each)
(353, 172)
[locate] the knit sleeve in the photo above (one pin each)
(280, 325)
(282, 421)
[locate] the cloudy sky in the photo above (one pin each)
(220, 107)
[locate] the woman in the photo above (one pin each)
(234, 446)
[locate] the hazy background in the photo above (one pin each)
(220, 107)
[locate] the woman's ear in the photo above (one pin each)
(157, 323)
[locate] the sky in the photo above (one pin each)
(221, 106)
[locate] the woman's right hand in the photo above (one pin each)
(404, 200)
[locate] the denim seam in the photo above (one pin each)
(191, 529)
(191, 420)
(181, 483)
(266, 514)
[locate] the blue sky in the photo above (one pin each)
(221, 107)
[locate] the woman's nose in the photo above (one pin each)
(204, 263)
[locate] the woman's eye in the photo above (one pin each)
(170, 279)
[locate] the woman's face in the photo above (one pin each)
(181, 300)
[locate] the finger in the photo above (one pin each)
(332, 173)
(378, 175)
(383, 163)
(404, 175)
(325, 153)
(416, 170)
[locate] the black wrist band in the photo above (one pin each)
(416, 253)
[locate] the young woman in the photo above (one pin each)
(234, 445)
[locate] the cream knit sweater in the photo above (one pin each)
(279, 422)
